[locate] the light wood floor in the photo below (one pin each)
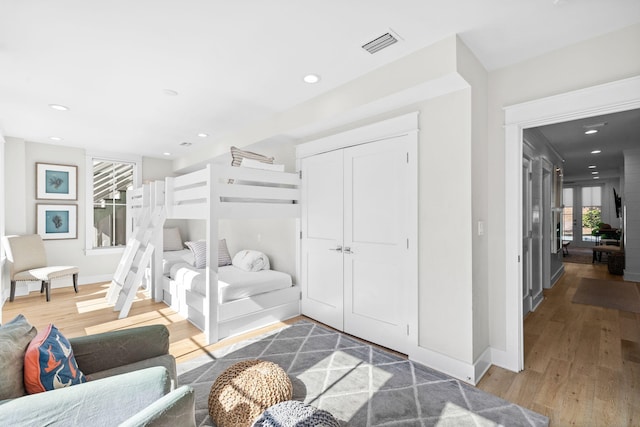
(582, 363)
(87, 313)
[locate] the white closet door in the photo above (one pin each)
(376, 300)
(321, 246)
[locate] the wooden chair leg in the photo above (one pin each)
(13, 291)
(75, 282)
(42, 286)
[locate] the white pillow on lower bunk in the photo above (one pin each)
(171, 239)
(249, 260)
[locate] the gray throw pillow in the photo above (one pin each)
(15, 336)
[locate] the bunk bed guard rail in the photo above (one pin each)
(233, 192)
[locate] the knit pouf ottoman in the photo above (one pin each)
(293, 413)
(245, 390)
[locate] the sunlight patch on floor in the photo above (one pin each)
(340, 372)
(454, 415)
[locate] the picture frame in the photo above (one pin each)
(56, 182)
(57, 222)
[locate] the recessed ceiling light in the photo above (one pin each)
(596, 177)
(590, 131)
(166, 153)
(55, 138)
(592, 166)
(311, 78)
(59, 107)
(185, 144)
(595, 173)
(169, 92)
(596, 152)
(203, 135)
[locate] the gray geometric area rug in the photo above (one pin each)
(359, 384)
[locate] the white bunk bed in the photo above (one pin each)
(213, 193)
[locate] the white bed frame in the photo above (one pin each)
(206, 194)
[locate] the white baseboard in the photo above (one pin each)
(482, 364)
(469, 373)
(631, 276)
(557, 276)
(502, 359)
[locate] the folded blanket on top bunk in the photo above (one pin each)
(233, 282)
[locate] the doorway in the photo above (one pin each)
(597, 100)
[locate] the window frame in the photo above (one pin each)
(136, 161)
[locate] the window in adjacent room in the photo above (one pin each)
(567, 214)
(107, 218)
(591, 211)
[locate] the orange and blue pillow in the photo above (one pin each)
(49, 363)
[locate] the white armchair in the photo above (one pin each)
(29, 263)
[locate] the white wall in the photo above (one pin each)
(474, 73)
(631, 206)
(445, 256)
(604, 59)
(20, 212)
(3, 271)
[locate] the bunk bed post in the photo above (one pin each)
(155, 280)
(211, 300)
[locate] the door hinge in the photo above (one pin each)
(518, 258)
(300, 174)
(407, 157)
(301, 235)
(407, 329)
(407, 243)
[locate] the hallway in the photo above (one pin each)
(582, 363)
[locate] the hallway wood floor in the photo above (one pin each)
(582, 363)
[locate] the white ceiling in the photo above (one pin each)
(234, 63)
(616, 132)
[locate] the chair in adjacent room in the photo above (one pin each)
(29, 263)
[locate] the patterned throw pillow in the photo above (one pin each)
(199, 250)
(223, 253)
(14, 339)
(49, 363)
(238, 154)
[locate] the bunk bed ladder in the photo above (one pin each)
(136, 258)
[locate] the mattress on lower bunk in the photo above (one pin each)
(171, 258)
(233, 283)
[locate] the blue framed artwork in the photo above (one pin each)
(57, 221)
(56, 182)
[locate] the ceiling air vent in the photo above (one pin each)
(381, 42)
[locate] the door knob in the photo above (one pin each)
(337, 249)
(347, 250)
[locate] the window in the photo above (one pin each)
(591, 211)
(107, 202)
(567, 214)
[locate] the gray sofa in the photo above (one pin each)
(131, 379)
